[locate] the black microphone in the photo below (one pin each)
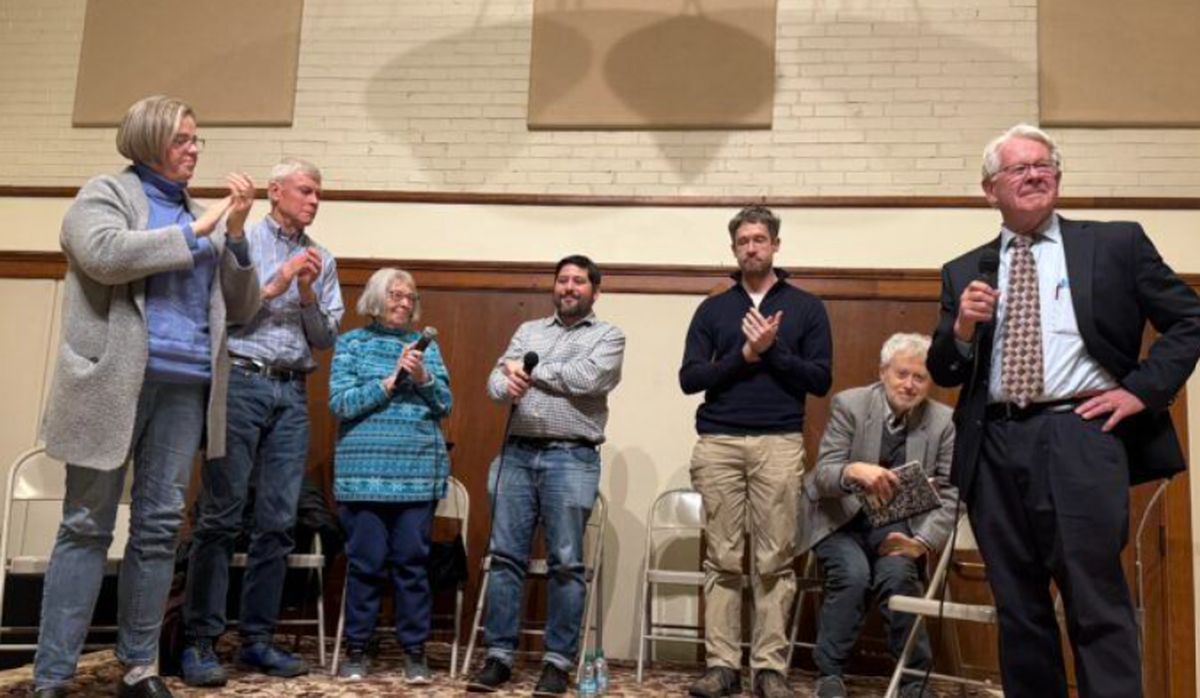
(531, 362)
(989, 265)
(422, 343)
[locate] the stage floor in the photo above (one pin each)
(99, 673)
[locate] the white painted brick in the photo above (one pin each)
(879, 97)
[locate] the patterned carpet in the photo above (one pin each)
(99, 673)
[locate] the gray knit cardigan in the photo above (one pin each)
(102, 356)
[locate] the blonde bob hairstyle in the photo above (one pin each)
(148, 127)
(374, 296)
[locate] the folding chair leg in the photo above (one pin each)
(321, 616)
(585, 630)
(475, 625)
(458, 606)
(910, 643)
(644, 624)
(337, 641)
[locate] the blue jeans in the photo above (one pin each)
(267, 448)
(854, 570)
(556, 488)
(388, 539)
(166, 436)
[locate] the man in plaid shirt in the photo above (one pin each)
(549, 469)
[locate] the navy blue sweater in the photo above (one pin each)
(765, 397)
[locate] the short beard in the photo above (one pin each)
(581, 309)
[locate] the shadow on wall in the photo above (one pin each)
(441, 97)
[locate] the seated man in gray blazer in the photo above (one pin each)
(871, 430)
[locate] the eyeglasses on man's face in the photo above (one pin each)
(1045, 168)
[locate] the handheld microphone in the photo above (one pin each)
(989, 265)
(531, 362)
(423, 343)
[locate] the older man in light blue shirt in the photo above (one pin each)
(267, 434)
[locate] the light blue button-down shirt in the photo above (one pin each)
(283, 333)
(1068, 369)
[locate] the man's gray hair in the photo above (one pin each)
(146, 130)
(991, 154)
(911, 344)
(373, 301)
(290, 166)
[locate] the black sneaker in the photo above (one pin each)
(491, 677)
(717, 682)
(830, 687)
(553, 682)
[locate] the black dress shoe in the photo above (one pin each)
(149, 687)
(51, 692)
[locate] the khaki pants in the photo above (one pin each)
(749, 485)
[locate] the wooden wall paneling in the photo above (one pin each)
(477, 307)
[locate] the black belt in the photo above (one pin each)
(550, 444)
(1014, 412)
(264, 369)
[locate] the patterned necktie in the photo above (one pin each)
(1021, 372)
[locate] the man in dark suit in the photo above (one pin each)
(1058, 416)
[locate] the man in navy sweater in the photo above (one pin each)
(756, 350)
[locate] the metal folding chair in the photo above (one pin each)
(33, 501)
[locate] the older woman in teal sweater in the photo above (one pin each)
(390, 466)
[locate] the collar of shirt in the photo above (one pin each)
(895, 422)
(1049, 232)
(554, 319)
(300, 239)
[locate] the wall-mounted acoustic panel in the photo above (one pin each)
(668, 64)
(233, 61)
(1113, 63)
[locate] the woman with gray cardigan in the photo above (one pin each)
(152, 279)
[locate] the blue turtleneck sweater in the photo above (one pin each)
(177, 301)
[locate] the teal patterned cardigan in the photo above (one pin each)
(390, 448)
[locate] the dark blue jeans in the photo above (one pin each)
(557, 487)
(267, 448)
(388, 539)
(166, 437)
(853, 571)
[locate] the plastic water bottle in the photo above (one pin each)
(601, 673)
(587, 682)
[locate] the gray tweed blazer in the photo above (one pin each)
(102, 357)
(853, 434)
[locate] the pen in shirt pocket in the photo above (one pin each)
(1062, 284)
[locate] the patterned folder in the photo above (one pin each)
(915, 495)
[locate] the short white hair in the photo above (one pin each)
(991, 153)
(912, 344)
(374, 295)
(290, 166)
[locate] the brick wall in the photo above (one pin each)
(879, 97)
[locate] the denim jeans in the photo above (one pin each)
(267, 448)
(166, 437)
(853, 570)
(556, 487)
(388, 540)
